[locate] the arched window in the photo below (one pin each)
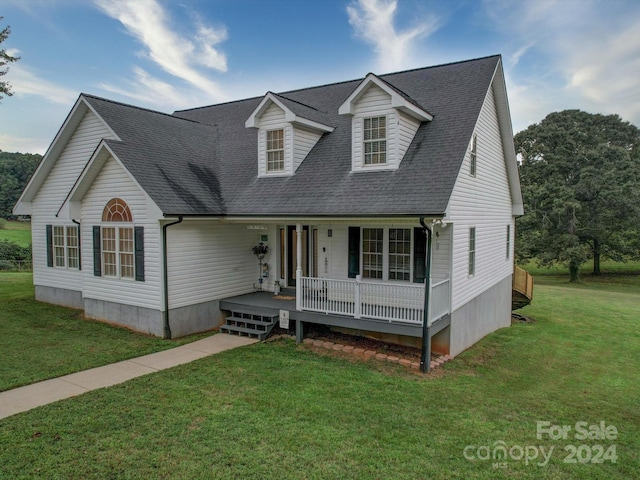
(118, 242)
(117, 210)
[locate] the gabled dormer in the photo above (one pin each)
(384, 123)
(287, 131)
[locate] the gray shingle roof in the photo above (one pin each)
(204, 161)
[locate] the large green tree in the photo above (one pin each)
(5, 59)
(15, 171)
(580, 175)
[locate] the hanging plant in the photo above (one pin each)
(260, 250)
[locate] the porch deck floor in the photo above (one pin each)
(265, 302)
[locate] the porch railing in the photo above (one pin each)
(383, 301)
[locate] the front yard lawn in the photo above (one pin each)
(41, 341)
(278, 410)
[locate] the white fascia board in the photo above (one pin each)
(23, 205)
(71, 208)
(254, 119)
(506, 133)
(397, 101)
(312, 125)
(75, 116)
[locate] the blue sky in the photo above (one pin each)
(175, 54)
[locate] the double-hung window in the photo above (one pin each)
(65, 247)
(275, 150)
(386, 253)
(473, 156)
(472, 251)
(372, 252)
(375, 140)
(117, 241)
(399, 254)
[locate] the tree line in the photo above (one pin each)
(15, 171)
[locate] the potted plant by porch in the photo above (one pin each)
(260, 251)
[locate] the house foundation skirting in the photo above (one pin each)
(59, 296)
(183, 320)
(484, 314)
(140, 319)
(195, 318)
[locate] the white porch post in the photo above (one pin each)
(298, 266)
(357, 308)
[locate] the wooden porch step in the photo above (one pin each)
(250, 332)
(250, 323)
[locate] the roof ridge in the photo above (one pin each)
(297, 102)
(136, 107)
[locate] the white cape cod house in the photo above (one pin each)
(148, 220)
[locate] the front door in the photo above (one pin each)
(292, 253)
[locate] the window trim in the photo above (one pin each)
(386, 253)
(473, 156)
(65, 246)
(378, 140)
(117, 252)
(274, 150)
(472, 251)
(508, 241)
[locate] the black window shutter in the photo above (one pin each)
(419, 254)
(139, 250)
(97, 260)
(354, 251)
(49, 246)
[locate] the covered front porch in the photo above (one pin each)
(266, 303)
(361, 274)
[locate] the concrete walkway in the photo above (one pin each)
(42, 393)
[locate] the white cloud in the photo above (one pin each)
(149, 90)
(25, 82)
(590, 52)
(373, 22)
(147, 21)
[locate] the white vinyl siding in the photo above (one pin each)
(303, 141)
(400, 130)
(114, 178)
(273, 119)
(209, 261)
(297, 142)
(52, 194)
(483, 202)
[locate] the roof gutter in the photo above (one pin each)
(425, 357)
(167, 325)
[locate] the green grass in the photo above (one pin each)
(41, 341)
(17, 232)
(278, 410)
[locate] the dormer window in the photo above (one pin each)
(287, 131)
(384, 122)
(275, 150)
(375, 141)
